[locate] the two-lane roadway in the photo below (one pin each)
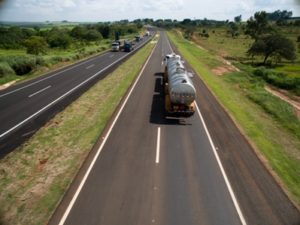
(152, 170)
(26, 107)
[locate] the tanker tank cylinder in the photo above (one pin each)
(180, 84)
(179, 87)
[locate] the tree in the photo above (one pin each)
(13, 37)
(104, 30)
(78, 32)
(204, 33)
(258, 26)
(238, 19)
(92, 35)
(279, 15)
(186, 22)
(273, 45)
(57, 40)
(35, 45)
(188, 32)
(233, 28)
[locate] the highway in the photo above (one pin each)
(25, 107)
(150, 170)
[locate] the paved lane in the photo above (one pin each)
(26, 107)
(261, 199)
(127, 184)
(156, 171)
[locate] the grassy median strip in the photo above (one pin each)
(269, 122)
(35, 176)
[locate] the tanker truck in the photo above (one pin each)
(179, 90)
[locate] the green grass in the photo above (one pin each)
(6, 52)
(223, 44)
(292, 70)
(55, 58)
(35, 176)
(262, 116)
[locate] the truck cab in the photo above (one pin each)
(137, 38)
(128, 46)
(115, 46)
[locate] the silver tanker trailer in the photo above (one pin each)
(180, 92)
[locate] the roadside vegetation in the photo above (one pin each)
(35, 176)
(30, 51)
(239, 81)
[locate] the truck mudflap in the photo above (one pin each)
(183, 114)
(178, 110)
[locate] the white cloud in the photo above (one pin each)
(68, 3)
(111, 10)
(162, 5)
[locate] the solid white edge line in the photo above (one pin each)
(53, 75)
(232, 195)
(70, 206)
(62, 71)
(235, 202)
(158, 145)
(67, 93)
(44, 89)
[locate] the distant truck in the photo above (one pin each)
(128, 46)
(180, 92)
(138, 38)
(115, 46)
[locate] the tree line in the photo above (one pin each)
(37, 40)
(268, 41)
(262, 28)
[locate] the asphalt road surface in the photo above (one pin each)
(150, 170)
(26, 107)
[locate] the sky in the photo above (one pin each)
(114, 10)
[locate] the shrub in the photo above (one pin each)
(259, 72)
(92, 52)
(22, 65)
(59, 40)
(279, 109)
(5, 70)
(40, 61)
(279, 80)
(36, 45)
(56, 59)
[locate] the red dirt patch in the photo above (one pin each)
(224, 69)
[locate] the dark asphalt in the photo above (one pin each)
(24, 108)
(261, 199)
(126, 186)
